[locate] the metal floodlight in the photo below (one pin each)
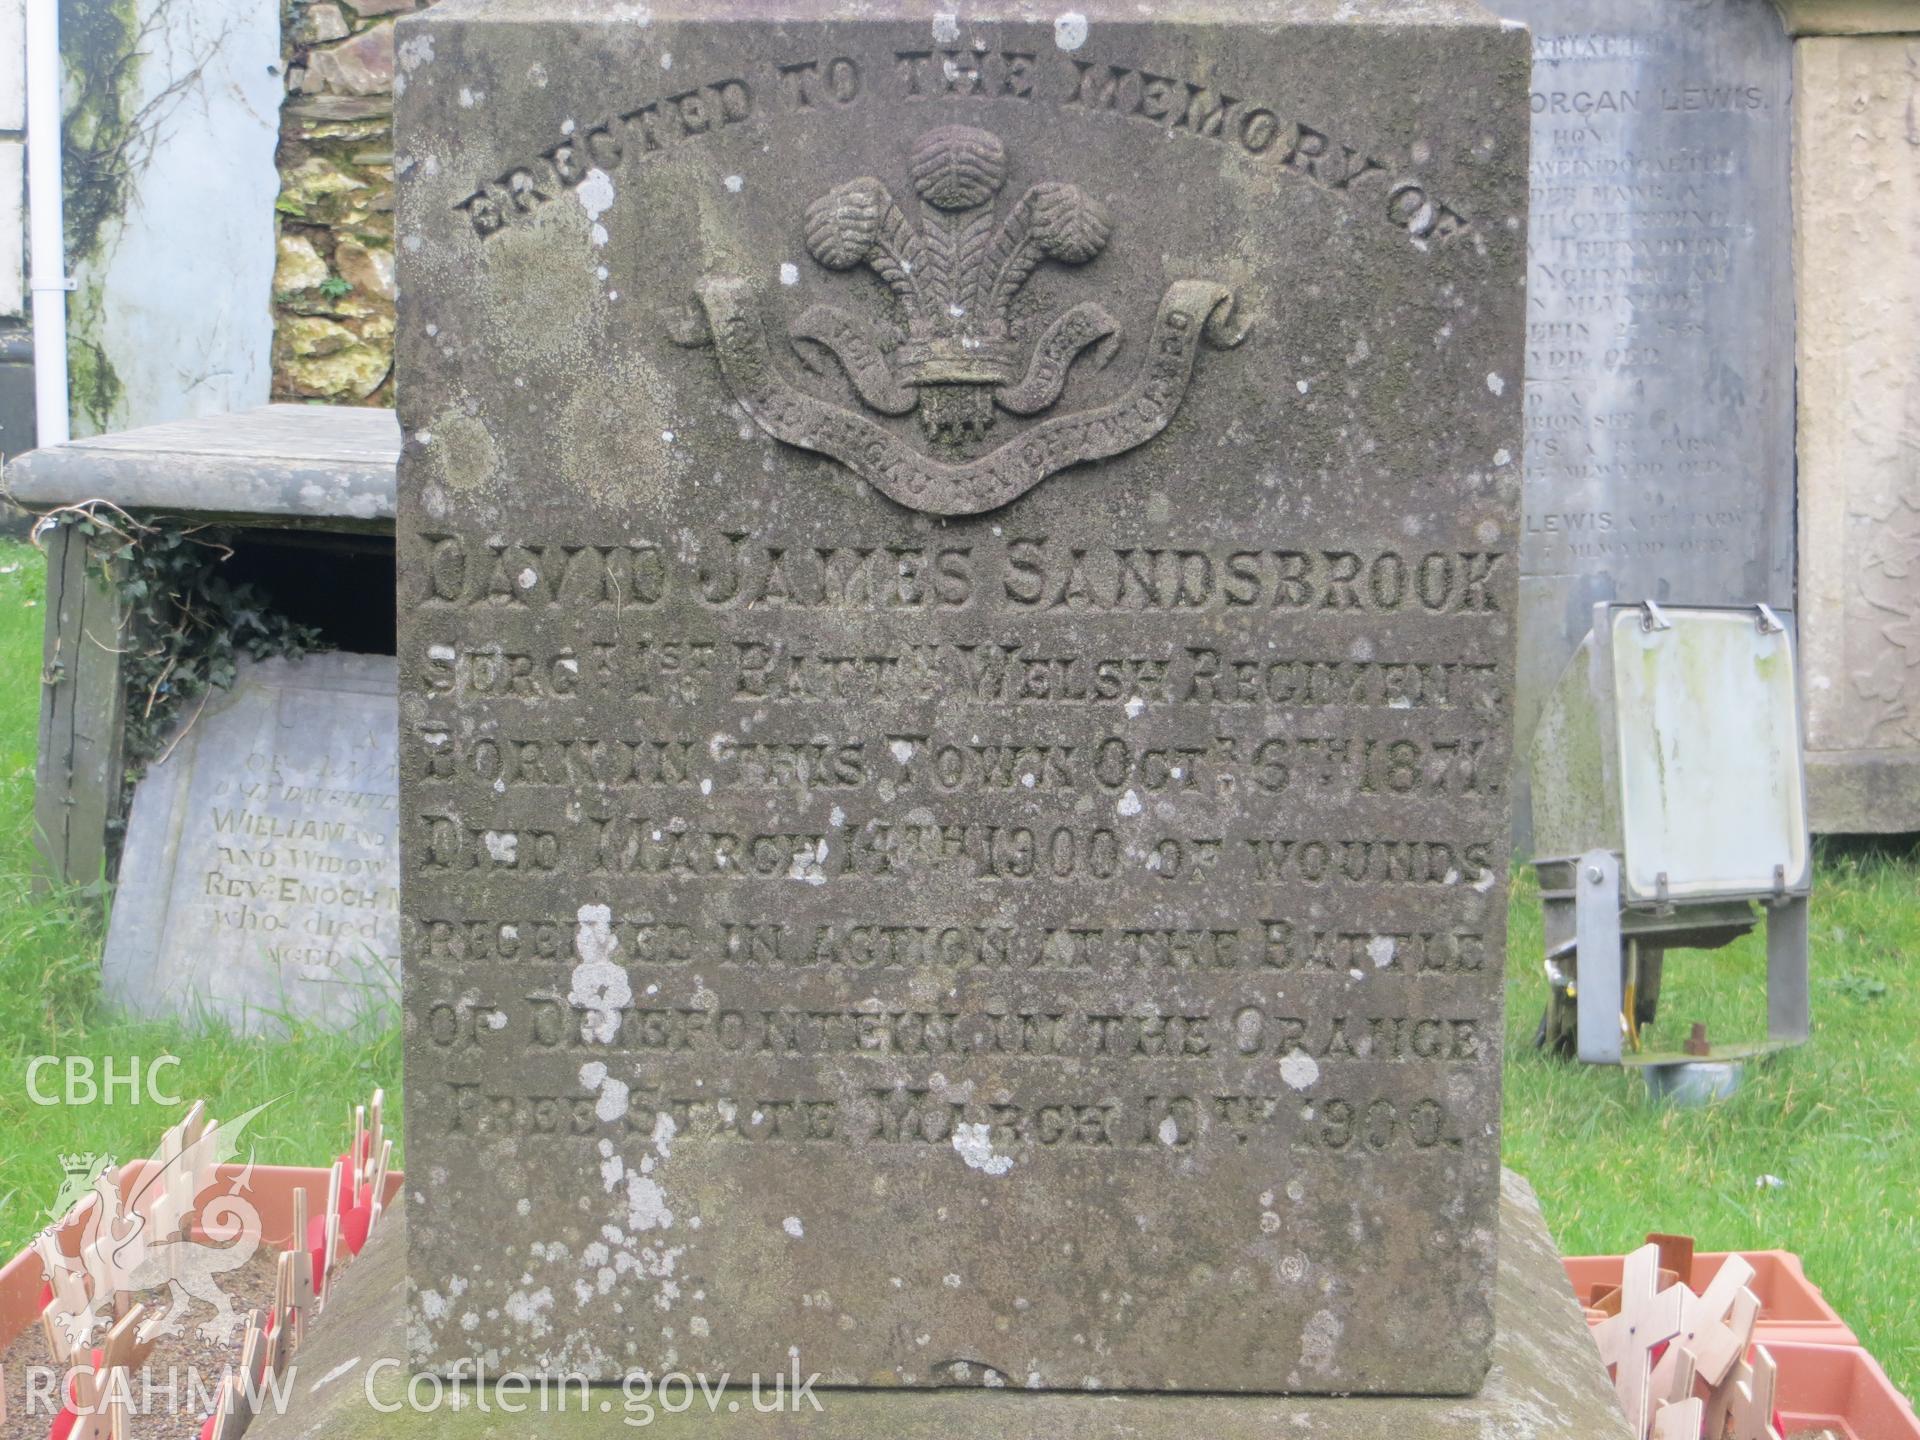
(1669, 801)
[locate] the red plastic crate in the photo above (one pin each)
(1791, 1306)
(272, 1195)
(1841, 1388)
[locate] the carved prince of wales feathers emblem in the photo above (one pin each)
(955, 271)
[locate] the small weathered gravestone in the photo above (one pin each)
(1659, 409)
(958, 586)
(258, 879)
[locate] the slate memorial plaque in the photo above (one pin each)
(958, 593)
(1659, 386)
(259, 878)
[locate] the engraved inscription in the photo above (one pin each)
(1391, 186)
(304, 870)
(954, 790)
(1659, 371)
(1176, 776)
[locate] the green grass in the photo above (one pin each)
(50, 1004)
(1834, 1121)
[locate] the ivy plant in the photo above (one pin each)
(186, 623)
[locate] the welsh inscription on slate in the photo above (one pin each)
(959, 589)
(1659, 391)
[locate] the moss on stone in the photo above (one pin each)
(100, 45)
(95, 390)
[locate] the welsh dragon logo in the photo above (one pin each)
(955, 268)
(175, 1226)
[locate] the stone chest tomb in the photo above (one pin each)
(958, 583)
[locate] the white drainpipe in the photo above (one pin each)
(50, 282)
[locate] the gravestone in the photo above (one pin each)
(958, 588)
(1659, 390)
(258, 878)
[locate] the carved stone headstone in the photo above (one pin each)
(1659, 390)
(958, 591)
(259, 875)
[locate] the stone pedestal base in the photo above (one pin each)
(1547, 1380)
(1863, 792)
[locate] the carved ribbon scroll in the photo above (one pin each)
(1189, 311)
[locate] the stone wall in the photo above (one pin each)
(333, 285)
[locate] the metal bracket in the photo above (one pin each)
(1769, 622)
(1597, 940)
(1789, 1007)
(47, 287)
(1653, 617)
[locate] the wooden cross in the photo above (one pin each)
(1678, 1420)
(70, 1296)
(96, 1404)
(1676, 1254)
(99, 1398)
(282, 1283)
(1716, 1340)
(276, 1346)
(286, 1325)
(104, 1275)
(134, 1346)
(336, 1253)
(331, 1233)
(1647, 1318)
(172, 1142)
(381, 1147)
(1675, 1387)
(57, 1347)
(252, 1355)
(302, 1298)
(1742, 1408)
(197, 1166)
(380, 1164)
(232, 1414)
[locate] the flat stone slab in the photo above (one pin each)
(1546, 1381)
(957, 620)
(258, 875)
(289, 462)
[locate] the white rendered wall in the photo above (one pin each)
(177, 292)
(13, 45)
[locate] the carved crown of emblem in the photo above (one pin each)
(957, 271)
(956, 268)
